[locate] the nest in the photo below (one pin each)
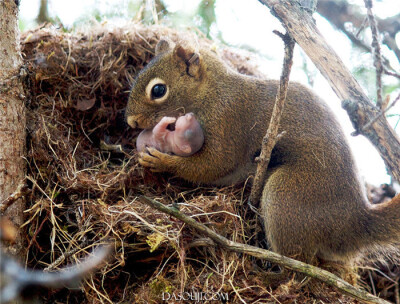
(85, 179)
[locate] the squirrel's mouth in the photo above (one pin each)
(171, 126)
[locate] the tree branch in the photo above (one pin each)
(340, 12)
(309, 270)
(376, 47)
(272, 136)
(359, 108)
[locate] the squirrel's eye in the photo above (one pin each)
(158, 90)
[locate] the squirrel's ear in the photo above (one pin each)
(164, 45)
(191, 58)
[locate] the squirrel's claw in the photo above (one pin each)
(144, 161)
(155, 160)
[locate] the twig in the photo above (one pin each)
(376, 52)
(381, 113)
(20, 192)
(362, 27)
(340, 12)
(272, 136)
(361, 44)
(309, 270)
(61, 259)
(394, 74)
(19, 278)
(390, 40)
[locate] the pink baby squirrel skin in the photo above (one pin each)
(185, 140)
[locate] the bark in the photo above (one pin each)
(376, 50)
(12, 117)
(359, 108)
(43, 15)
(271, 137)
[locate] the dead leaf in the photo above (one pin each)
(85, 104)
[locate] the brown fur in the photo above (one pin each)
(313, 204)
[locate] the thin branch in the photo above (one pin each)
(376, 52)
(20, 192)
(362, 45)
(362, 27)
(61, 259)
(381, 113)
(340, 12)
(394, 74)
(309, 270)
(272, 136)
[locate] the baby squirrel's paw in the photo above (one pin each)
(157, 161)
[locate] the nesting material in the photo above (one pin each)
(84, 179)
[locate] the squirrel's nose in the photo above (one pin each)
(131, 121)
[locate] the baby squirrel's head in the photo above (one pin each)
(165, 86)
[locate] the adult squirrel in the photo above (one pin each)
(313, 204)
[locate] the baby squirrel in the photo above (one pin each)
(313, 204)
(185, 140)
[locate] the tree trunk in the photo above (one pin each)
(43, 15)
(12, 117)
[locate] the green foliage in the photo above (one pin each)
(366, 77)
(391, 88)
(22, 24)
(206, 14)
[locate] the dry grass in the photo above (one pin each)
(85, 179)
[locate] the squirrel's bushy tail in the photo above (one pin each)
(384, 222)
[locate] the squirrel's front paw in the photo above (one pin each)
(156, 161)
